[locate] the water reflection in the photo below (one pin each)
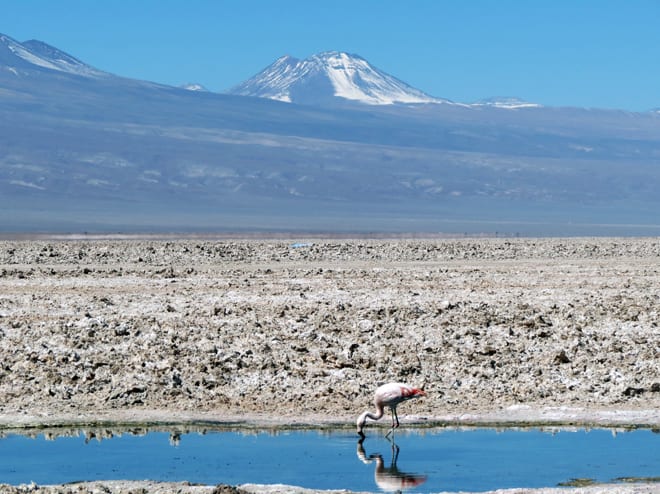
(175, 431)
(389, 479)
(99, 434)
(451, 459)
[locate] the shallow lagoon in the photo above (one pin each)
(421, 460)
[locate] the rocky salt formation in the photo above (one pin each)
(274, 329)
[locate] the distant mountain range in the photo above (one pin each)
(324, 144)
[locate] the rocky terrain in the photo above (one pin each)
(500, 330)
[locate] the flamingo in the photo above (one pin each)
(389, 479)
(388, 395)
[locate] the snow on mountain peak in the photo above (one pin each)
(40, 54)
(327, 76)
(508, 102)
(194, 86)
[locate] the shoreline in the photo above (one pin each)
(516, 416)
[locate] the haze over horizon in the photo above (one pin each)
(592, 54)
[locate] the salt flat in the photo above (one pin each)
(502, 331)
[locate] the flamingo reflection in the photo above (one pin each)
(389, 479)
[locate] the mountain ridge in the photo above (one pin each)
(38, 54)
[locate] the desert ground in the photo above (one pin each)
(287, 332)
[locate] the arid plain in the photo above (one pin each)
(284, 332)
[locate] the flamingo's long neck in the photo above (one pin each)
(368, 415)
(380, 409)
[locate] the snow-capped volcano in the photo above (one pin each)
(31, 54)
(327, 76)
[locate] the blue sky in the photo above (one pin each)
(591, 53)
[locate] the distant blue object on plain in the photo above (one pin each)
(300, 245)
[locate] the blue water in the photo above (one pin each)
(424, 460)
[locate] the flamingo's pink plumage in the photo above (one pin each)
(388, 395)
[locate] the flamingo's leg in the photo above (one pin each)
(395, 421)
(395, 454)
